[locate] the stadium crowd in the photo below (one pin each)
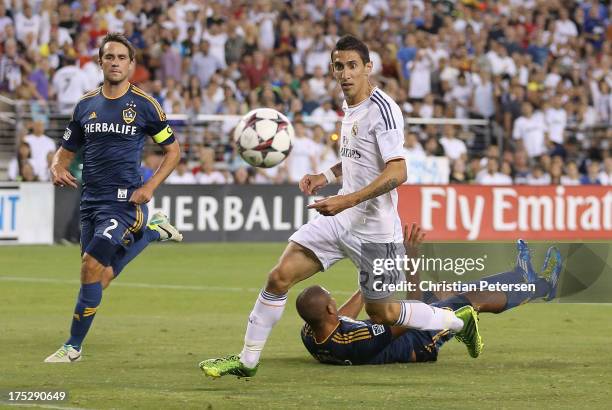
(540, 71)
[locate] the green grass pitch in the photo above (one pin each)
(178, 304)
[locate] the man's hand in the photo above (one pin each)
(332, 205)
(142, 195)
(60, 176)
(310, 184)
(413, 240)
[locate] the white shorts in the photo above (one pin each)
(331, 242)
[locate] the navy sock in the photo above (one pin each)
(89, 299)
(148, 236)
(542, 288)
(513, 298)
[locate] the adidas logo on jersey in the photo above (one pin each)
(93, 115)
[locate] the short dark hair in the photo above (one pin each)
(349, 42)
(117, 38)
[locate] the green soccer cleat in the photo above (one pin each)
(167, 232)
(227, 365)
(469, 334)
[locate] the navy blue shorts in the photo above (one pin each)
(416, 345)
(109, 227)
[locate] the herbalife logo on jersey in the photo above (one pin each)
(105, 127)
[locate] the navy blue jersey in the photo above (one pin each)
(352, 342)
(112, 133)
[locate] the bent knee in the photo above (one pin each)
(280, 280)
(381, 313)
(91, 269)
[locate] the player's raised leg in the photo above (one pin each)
(296, 264)
(159, 229)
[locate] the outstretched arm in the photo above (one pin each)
(392, 176)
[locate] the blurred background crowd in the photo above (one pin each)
(538, 70)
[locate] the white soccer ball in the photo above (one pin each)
(264, 137)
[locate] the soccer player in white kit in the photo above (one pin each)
(364, 213)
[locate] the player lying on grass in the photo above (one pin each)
(110, 124)
(335, 336)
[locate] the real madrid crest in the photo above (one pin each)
(129, 115)
(354, 130)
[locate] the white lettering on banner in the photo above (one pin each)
(277, 215)
(182, 212)
(257, 214)
(298, 212)
(590, 218)
(8, 214)
(232, 215)
(499, 206)
(535, 207)
(207, 213)
(572, 207)
(428, 204)
(510, 209)
(607, 206)
(451, 210)
(471, 222)
(26, 213)
(559, 209)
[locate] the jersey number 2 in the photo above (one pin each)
(112, 226)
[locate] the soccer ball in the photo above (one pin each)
(264, 137)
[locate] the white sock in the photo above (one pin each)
(418, 315)
(267, 311)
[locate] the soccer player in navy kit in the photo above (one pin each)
(111, 124)
(335, 335)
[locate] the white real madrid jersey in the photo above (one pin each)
(372, 135)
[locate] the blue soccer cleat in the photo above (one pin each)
(523, 262)
(551, 270)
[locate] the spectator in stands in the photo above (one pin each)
(592, 175)
(70, 83)
(412, 146)
(458, 175)
(40, 145)
(208, 174)
(554, 55)
(491, 175)
(181, 175)
(556, 119)
(27, 173)
(327, 155)
(453, 147)
(242, 176)
(303, 158)
(530, 131)
(24, 154)
(325, 116)
(572, 175)
(556, 173)
(10, 68)
(538, 176)
(605, 176)
(150, 164)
